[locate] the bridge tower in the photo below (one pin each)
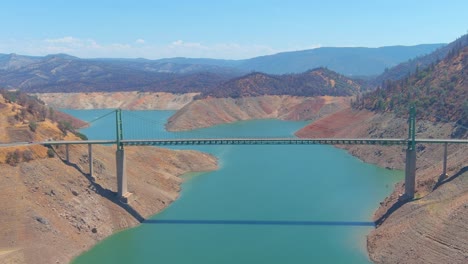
(122, 191)
(410, 170)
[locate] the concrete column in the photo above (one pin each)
(410, 174)
(67, 153)
(121, 173)
(444, 171)
(90, 158)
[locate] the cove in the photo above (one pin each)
(266, 204)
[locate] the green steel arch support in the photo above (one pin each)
(119, 126)
(412, 128)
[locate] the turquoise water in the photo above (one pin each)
(266, 204)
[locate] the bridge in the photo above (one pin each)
(120, 142)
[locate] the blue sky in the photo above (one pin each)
(221, 29)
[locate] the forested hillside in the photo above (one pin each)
(27, 113)
(406, 68)
(439, 92)
(317, 82)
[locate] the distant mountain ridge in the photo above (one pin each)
(65, 73)
(347, 61)
(421, 62)
(350, 61)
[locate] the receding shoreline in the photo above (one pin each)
(64, 212)
(125, 100)
(367, 124)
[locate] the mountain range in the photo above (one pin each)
(65, 73)
(350, 61)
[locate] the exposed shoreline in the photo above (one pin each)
(125, 100)
(343, 122)
(64, 212)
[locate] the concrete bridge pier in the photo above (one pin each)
(444, 169)
(90, 158)
(410, 174)
(410, 169)
(67, 153)
(122, 191)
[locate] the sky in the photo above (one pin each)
(220, 29)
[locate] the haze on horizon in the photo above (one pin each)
(224, 30)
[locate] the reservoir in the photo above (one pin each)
(265, 204)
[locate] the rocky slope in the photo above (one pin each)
(124, 100)
(431, 229)
(212, 111)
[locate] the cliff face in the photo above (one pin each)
(124, 100)
(52, 211)
(430, 229)
(212, 111)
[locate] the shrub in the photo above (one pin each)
(33, 126)
(50, 153)
(13, 158)
(65, 126)
(81, 135)
(28, 155)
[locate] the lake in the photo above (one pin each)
(265, 204)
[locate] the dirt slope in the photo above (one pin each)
(52, 211)
(430, 230)
(13, 130)
(124, 100)
(212, 111)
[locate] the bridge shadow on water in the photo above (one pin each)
(103, 192)
(258, 222)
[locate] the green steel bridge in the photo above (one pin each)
(120, 142)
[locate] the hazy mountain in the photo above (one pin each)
(14, 61)
(347, 61)
(63, 73)
(176, 65)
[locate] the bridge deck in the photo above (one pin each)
(246, 141)
(266, 141)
